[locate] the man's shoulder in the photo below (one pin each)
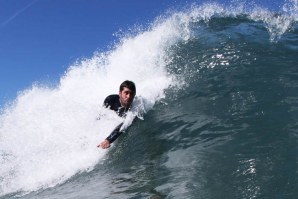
(112, 97)
(112, 101)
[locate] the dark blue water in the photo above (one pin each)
(229, 130)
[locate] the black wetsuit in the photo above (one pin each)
(113, 102)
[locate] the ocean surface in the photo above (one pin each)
(217, 102)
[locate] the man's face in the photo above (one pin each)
(126, 96)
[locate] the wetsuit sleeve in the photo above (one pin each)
(115, 134)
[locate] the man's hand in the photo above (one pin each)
(105, 144)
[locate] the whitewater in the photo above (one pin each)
(200, 74)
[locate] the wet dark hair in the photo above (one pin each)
(128, 84)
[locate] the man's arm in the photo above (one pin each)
(111, 138)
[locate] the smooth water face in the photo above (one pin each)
(216, 87)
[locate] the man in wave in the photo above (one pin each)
(120, 103)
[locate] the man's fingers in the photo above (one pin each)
(105, 144)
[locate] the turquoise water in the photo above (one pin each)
(220, 109)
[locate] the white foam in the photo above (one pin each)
(291, 8)
(50, 134)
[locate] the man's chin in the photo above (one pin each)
(127, 104)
